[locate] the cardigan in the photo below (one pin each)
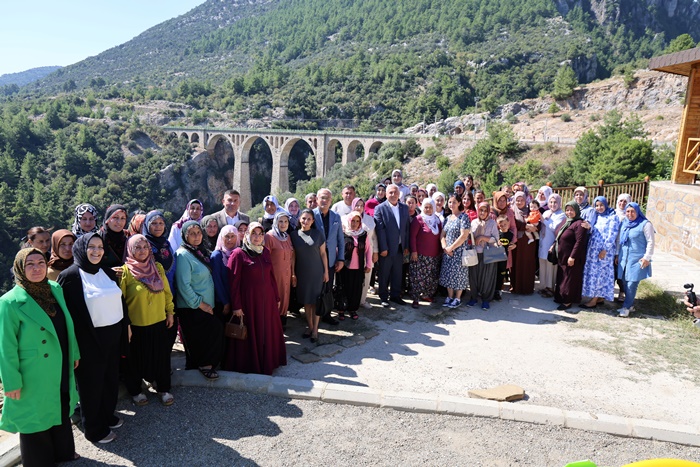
(422, 240)
(146, 307)
(30, 360)
(194, 281)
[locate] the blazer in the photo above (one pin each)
(389, 234)
(220, 217)
(335, 240)
(30, 360)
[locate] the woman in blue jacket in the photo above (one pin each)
(634, 254)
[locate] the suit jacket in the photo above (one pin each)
(388, 233)
(30, 360)
(335, 241)
(221, 218)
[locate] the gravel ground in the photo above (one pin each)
(220, 427)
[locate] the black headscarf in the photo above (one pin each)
(200, 252)
(116, 241)
(39, 291)
(160, 246)
(80, 253)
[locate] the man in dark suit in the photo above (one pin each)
(330, 224)
(230, 214)
(392, 220)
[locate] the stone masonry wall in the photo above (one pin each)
(675, 212)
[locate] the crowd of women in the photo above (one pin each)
(124, 290)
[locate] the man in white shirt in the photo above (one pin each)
(344, 206)
(230, 214)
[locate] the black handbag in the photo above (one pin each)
(552, 255)
(340, 300)
(324, 302)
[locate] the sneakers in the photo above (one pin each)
(139, 399)
(385, 304)
(455, 303)
(109, 438)
(448, 302)
(625, 312)
(118, 423)
(366, 306)
(485, 305)
(471, 302)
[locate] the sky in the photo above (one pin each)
(36, 33)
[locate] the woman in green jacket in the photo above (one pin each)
(38, 353)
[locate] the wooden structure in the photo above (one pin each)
(686, 165)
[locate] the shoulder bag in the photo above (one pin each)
(469, 256)
(494, 254)
(324, 302)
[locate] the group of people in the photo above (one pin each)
(125, 290)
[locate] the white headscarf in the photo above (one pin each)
(432, 221)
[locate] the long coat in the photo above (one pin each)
(31, 360)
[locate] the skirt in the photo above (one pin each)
(423, 276)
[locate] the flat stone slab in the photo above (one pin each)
(327, 350)
(306, 357)
(347, 343)
(370, 334)
(504, 392)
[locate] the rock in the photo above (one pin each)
(327, 350)
(505, 392)
(306, 358)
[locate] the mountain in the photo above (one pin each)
(388, 63)
(28, 76)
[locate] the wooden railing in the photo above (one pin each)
(637, 190)
(691, 162)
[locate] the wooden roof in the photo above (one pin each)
(679, 63)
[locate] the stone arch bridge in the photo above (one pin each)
(323, 144)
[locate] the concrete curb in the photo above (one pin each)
(9, 451)
(443, 404)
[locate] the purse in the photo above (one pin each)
(552, 255)
(324, 302)
(235, 331)
(494, 254)
(469, 255)
(340, 300)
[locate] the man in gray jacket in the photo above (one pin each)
(230, 214)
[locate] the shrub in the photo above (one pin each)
(554, 108)
(442, 163)
(565, 117)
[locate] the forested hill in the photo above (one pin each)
(397, 62)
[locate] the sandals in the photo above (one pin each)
(341, 316)
(139, 399)
(209, 373)
(166, 398)
(353, 315)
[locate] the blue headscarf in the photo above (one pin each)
(606, 213)
(628, 225)
(460, 183)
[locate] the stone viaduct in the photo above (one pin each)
(323, 144)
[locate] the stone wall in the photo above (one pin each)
(675, 212)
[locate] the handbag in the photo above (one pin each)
(494, 254)
(340, 300)
(469, 256)
(552, 255)
(235, 331)
(324, 302)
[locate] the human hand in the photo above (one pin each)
(75, 364)
(414, 257)
(119, 272)
(325, 277)
(227, 309)
(128, 330)
(339, 265)
(238, 313)
(375, 257)
(294, 281)
(13, 394)
(169, 321)
(383, 253)
(570, 261)
(368, 270)
(512, 246)
(448, 251)
(586, 225)
(205, 307)
(602, 254)
(643, 263)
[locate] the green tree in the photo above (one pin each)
(564, 83)
(682, 42)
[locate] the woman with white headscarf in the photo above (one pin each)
(551, 220)
(439, 199)
(426, 253)
(272, 207)
(542, 197)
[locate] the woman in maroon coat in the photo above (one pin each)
(254, 295)
(571, 245)
(426, 253)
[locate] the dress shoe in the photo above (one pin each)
(328, 319)
(398, 301)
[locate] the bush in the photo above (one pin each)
(565, 117)
(554, 108)
(431, 154)
(442, 162)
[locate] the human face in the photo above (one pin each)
(622, 204)
(516, 188)
(270, 207)
(87, 221)
(355, 223)
(599, 207)
(392, 194)
(348, 195)
(324, 200)
(466, 202)
(293, 208)
(283, 223)
(396, 178)
(194, 236)
(231, 204)
(428, 209)
(157, 227)
(502, 202)
(414, 190)
(534, 207)
(421, 195)
(503, 226)
(117, 222)
(257, 236)
(312, 202)
(509, 191)
(553, 203)
(484, 212)
(459, 190)
(230, 240)
(42, 241)
(468, 182)
(35, 267)
(141, 251)
(360, 207)
(631, 213)
(570, 212)
(578, 197)
(479, 198)
(95, 250)
(212, 228)
(440, 203)
(195, 211)
(381, 192)
(306, 220)
(540, 196)
(411, 203)
(242, 229)
(65, 247)
(453, 205)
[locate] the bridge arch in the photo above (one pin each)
(350, 154)
(331, 149)
(292, 163)
(214, 140)
(194, 138)
(185, 135)
(374, 148)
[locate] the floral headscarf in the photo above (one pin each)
(186, 215)
(221, 244)
(80, 211)
(200, 251)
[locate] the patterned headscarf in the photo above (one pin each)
(145, 272)
(200, 251)
(39, 291)
(279, 235)
(248, 247)
(186, 215)
(221, 244)
(347, 228)
(272, 199)
(80, 211)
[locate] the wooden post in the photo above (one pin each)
(690, 126)
(601, 188)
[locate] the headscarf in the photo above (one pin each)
(273, 200)
(221, 245)
(279, 235)
(248, 247)
(525, 190)
(621, 212)
(145, 272)
(380, 200)
(80, 255)
(39, 291)
(496, 196)
(200, 251)
(293, 218)
(520, 213)
(628, 225)
(583, 190)
(432, 221)
(160, 246)
(56, 262)
(607, 212)
(460, 183)
(136, 223)
(80, 211)
(438, 194)
(429, 187)
(186, 215)
(567, 224)
(115, 240)
(203, 224)
(547, 192)
(347, 228)
(549, 213)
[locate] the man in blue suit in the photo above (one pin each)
(392, 220)
(329, 222)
